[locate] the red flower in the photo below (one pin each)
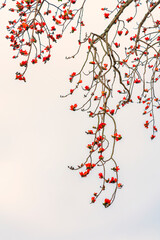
(87, 88)
(72, 107)
(106, 15)
(129, 19)
(89, 146)
(71, 91)
(88, 165)
(58, 36)
(73, 74)
(146, 38)
(107, 202)
(93, 199)
(91, 114)
(81, 173)
(85, 173)
(146, 124)
(101, 157)
(101, 150)
(104, 93)
(73, 29)
(100, 138)
(158, 39)
(113, 180)
(34, 61)
(126, 32)
(23, 64)
(100, 175)
(154, 127)
(116, 169)
(137, 80)
(139, 98)
(90, 132)
(112, 111)
(117, 44)
(45, 59)
(101, 125)
(23, 52)
(82, 24)
(119, 185)
(120, 33)
(96, 76)
(96, 98)
(53, 28)
(117, 136)
(152, 137)
(20, 77)
(47, 48)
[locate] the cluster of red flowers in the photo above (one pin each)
(89, 167)
(101, 125)
(117, 137)
(30, 37)
(73, 107)
(31, 23)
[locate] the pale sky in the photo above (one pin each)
(41, 199)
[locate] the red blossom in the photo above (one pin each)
(58, 36)
(129, 19)
(24, 63)
(137, 80)
(120, 33)
(90, 132)
(117, 136)
(112, 111)
(117, 44)
(146, 124)
(73, 74)
(93, 199)
(119, 185)
(71, 91)
(88, 165)
(146, 38)
(154, 127)
(101, 157)
(113, 180)
(87, 88)
(116, 169)
(73, 29)
(96, 98)
(101, 150)
(101, 125)
(106, 15)
(20, 77)
(107, 202)
(152, 137)
(100, 175)
(34, 61)
(73, 107)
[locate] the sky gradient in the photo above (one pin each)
(41, 199)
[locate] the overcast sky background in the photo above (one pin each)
(40, 198)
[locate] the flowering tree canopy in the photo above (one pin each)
(121, 66)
